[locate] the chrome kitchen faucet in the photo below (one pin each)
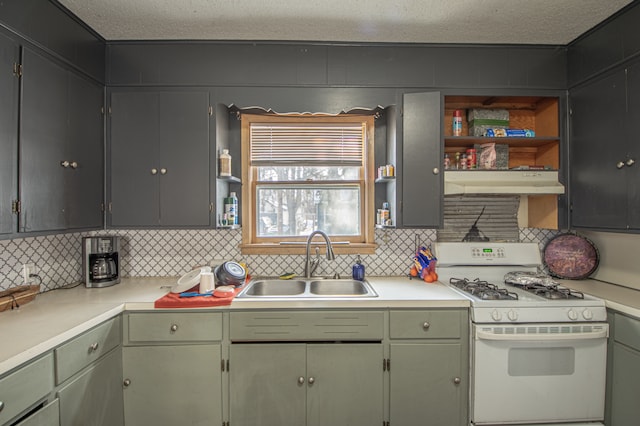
(308, 270)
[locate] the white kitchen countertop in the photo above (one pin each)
(59, 315)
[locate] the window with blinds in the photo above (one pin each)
(306, 173)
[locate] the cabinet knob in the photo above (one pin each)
(301, 380)
(154, 171)
(436, 171)
(619, 164)
(631, 162)
(163, 171)
(457, 380)
(126, 382)
(64, 164)
(174, 327)
(93, 347)
(1, 405)
(73, 165)
(426, 326)
(311, 380)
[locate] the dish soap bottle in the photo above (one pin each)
(231, 209)
(358, 270)
(225, 163)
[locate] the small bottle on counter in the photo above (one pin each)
(225, 163)
(358, 270)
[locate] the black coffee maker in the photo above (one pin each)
(100, 263)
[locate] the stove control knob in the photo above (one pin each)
(512, 315)
(572, 315)
(587, 314)
(496, 315)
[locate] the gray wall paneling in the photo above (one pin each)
(610, 43)
(47, 25)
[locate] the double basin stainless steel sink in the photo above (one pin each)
(307, 288)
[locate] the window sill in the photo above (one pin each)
(268, 248)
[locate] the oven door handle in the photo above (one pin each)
(540, 337)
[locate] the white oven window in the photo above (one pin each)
(554, 361)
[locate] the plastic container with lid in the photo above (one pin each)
(225, 163)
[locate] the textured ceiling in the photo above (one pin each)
(394, 21)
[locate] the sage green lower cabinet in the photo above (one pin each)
(49, 415)
(25, 389)
(172, 368)
(624, 372)
(94, 398)
(312, 384)
(429, 367)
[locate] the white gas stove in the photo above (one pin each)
(540, 342)
(477, 270)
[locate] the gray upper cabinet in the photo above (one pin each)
(61, 148)
(422, 184)
(159, 165)
(9, 87)
(604, 177)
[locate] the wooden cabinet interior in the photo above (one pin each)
(536, 113)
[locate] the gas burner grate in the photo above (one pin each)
(553, 291)
(483, 289)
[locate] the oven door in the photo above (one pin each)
(538, 373)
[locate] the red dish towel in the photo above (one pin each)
(173, 300)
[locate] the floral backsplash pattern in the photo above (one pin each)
(174, 252)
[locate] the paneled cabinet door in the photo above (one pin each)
(173, 385)
(61, 148)
(625, 410)
(9, 87)
(94, 398)
(422, 178)
(428, 385)
(598, 186)
(298, 384)
(159, 165)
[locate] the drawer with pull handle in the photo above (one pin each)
(173, 327)
(81, 351)
(426, 324)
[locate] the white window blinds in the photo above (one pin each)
(313, 144)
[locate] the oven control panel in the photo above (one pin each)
(486, 252)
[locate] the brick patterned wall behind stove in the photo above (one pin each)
(174, 252)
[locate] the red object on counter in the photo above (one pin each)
(173, 300)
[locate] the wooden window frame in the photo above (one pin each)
(363, 244)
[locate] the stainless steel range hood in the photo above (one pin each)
(525, 182)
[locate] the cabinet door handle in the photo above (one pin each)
(126, 383)
(457, 380)
(619, 164)
(301, 380)
(436, 171)
(93, 347)
(426, 326)
(311, 380)
(64, 164)
(154, 171)
(163, 171)
(631, 162)
(174, 327)
(1, 406)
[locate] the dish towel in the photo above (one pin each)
(173, 300)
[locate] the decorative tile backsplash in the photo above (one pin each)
(174, 252)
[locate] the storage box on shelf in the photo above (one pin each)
(536, 113)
